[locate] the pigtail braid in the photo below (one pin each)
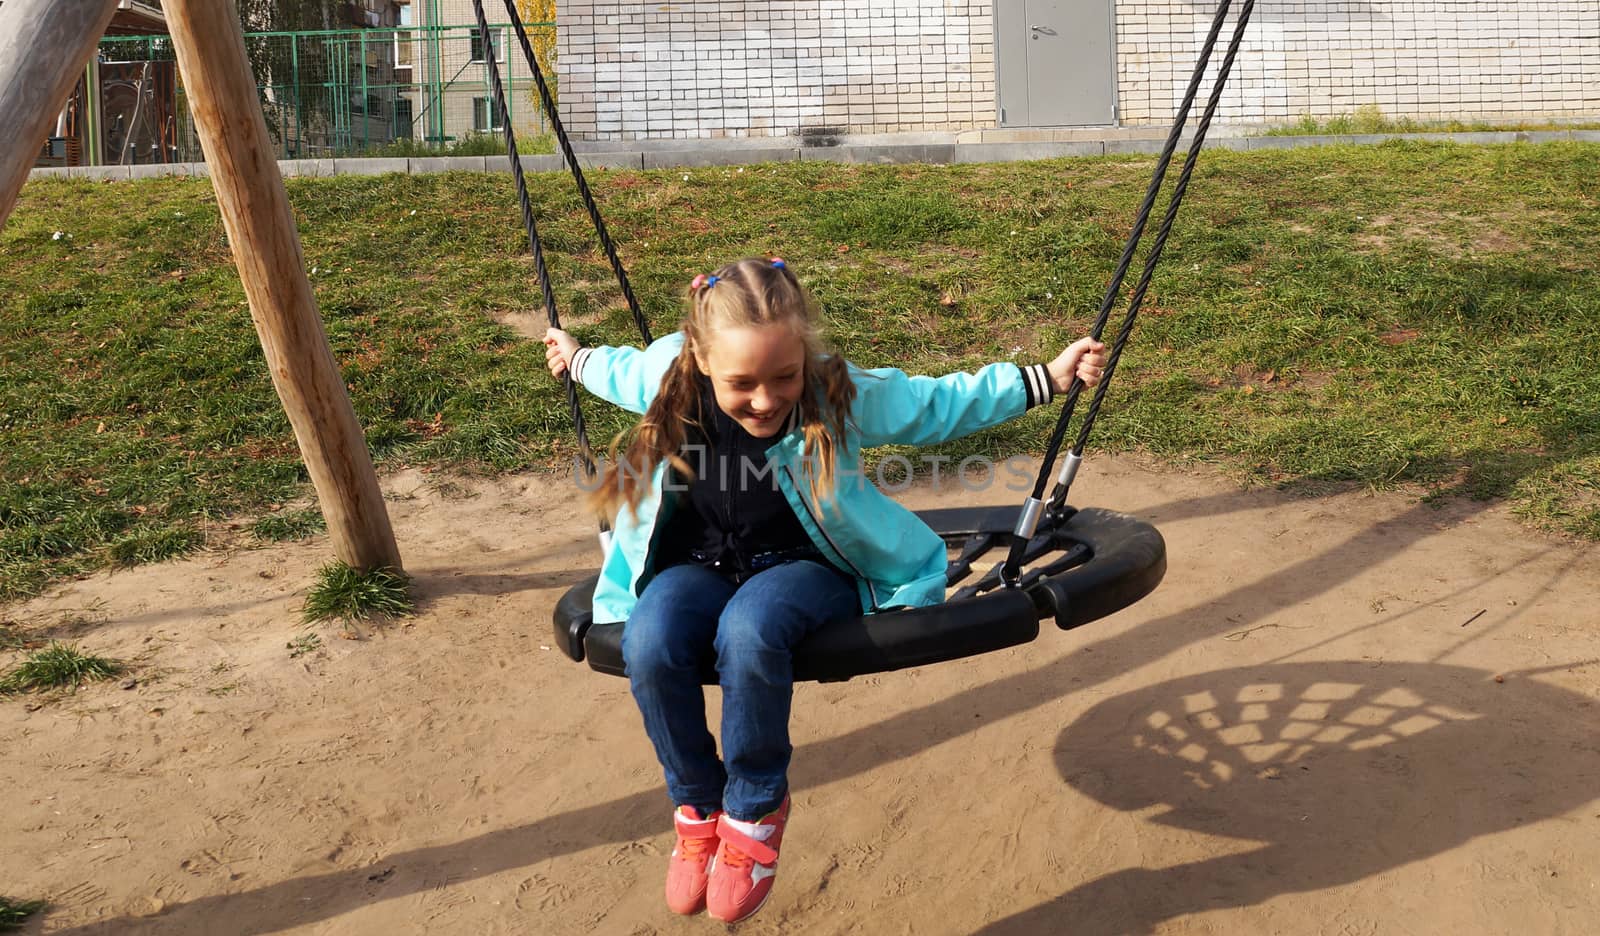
(658, 437)
(825, 413)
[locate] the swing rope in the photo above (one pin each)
(571, 158)
(1034, 507)
(1058, 496)
(574, 407)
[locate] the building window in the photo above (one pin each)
(495, 40)
(485, 117)
(402, 41)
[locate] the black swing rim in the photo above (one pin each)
(1124, 560)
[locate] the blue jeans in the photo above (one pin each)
(690, 615)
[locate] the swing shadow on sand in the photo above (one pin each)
(1336, 770)
(1437, 723)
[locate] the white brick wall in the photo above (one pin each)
(701, 68)
(1422, 59)
(736, 68)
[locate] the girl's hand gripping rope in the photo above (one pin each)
(559, 347)
(1084, 357)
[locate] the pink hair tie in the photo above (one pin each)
(698, 281)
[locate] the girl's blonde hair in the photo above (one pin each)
(751, 292)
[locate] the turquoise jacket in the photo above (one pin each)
(895, 558)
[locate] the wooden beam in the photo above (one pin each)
(266, 247)
(44, 45)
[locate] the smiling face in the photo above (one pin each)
(757, 373)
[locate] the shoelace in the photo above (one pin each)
(735, 857)
(740, 850)
(694, 848)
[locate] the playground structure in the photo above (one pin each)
(44, 45)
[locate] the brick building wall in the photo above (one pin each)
(736, 68)
(1423, 59)
(774, 67)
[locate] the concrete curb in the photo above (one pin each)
(306, 168)
(686, 155)
(1018, 152)
(732, 157)
(371, 166)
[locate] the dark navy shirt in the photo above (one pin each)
(732, 517)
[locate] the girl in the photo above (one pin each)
(742, 522)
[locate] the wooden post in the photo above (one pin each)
(43, 47)
(266, 247)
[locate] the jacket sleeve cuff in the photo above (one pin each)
(1036, 379)
(579, 358)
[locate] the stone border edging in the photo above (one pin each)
(858, 153)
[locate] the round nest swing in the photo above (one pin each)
(1065, 564)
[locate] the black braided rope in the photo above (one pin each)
(585, 453)
(549, 103)
(1013, 563)
(1058, 497)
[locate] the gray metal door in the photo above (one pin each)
(1056, 63)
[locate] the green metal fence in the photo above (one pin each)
(342, 92)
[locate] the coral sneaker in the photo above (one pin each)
(686, 870)
(746, 863)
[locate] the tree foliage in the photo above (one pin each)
(544, 40)
(273, 58)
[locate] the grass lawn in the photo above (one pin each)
(1423, 314)
(1371, 119)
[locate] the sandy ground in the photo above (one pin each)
(1348, 715)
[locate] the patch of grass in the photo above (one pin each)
(58, 666)
(1564, 498)
(14, 913)
(289, 525)
(473, 144)
(1412, 313)
(1371, 119)
(303, 644)
(155, 544)
(345, 594)
(896, 213)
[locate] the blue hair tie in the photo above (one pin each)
(778, 264)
